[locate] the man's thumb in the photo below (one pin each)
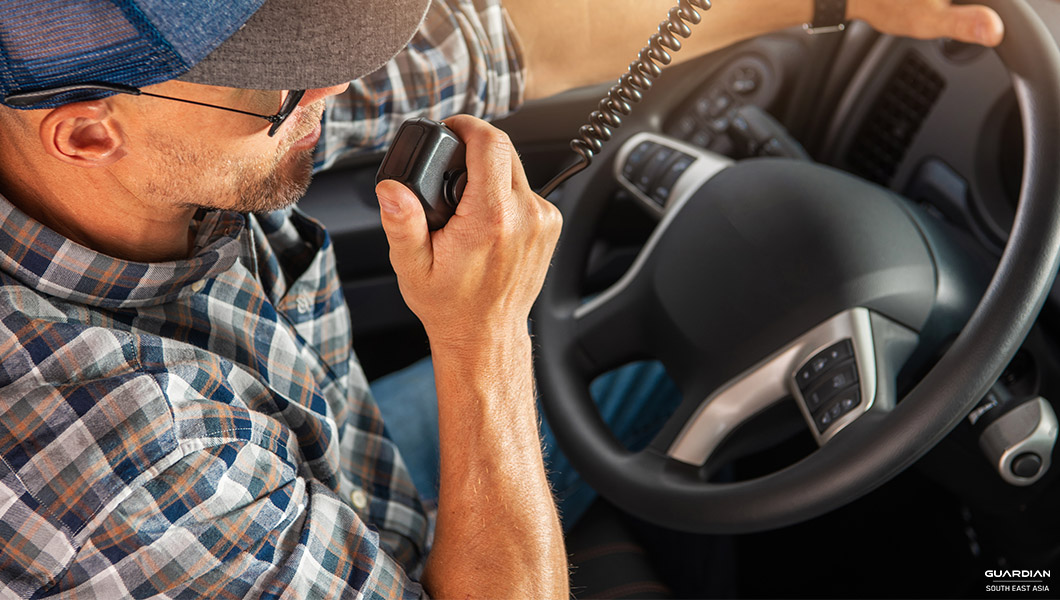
(405, 226)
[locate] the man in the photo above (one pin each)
(180, 409)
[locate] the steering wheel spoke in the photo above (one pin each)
(609, 328)
(836, 372)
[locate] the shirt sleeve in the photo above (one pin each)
(465, 59)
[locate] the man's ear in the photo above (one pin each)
(84, 134)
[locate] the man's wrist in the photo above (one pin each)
(480, 343)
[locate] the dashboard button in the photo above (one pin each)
(685, 127)
(721, 104)
(1026, 465)
(703, 107)
(703, 138)
(720, 124)
(745, 80)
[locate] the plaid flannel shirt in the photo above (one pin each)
(201, 428)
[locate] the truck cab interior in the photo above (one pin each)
(842, 248)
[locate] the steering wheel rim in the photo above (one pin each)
(835, 474)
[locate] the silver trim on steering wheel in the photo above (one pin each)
(773, 380)
(705, 167)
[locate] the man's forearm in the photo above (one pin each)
(472, 284)
(498, 534)
(569, 43)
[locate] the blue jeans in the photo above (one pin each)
(634, 400)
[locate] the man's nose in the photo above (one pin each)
(316, 94)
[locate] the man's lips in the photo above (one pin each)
(309, 140)
(310, 125)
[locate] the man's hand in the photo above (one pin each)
(483, 270)
(926, 19)
(472, 283)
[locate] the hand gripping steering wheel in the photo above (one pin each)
(772, 279)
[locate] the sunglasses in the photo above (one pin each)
(25, 99)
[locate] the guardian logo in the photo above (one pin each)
(1018, 580)
(1017, 573)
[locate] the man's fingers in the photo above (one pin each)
(928, 19)
(489, 159)
(972, 24)
(406, 229)
(518, 172)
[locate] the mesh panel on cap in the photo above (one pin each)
(44, 43)
(39, 32)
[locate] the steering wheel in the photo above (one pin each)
(769, 279)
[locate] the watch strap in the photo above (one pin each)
(828, 16)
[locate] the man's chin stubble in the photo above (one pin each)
(279, 189)
(283, 187)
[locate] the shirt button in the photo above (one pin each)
(359, 499)
(303, 304)
(198, 286)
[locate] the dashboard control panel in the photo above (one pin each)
(705, 119)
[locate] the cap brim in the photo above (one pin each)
(306, 44)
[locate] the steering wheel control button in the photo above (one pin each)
(831, 384)
(821, 362)
(828, 415)
(844, 402)
(840, 378)
(823, 420)
(665, 184)
(653, 166)
(636, 160)
(849, 400)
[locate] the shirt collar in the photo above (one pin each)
(46, 261)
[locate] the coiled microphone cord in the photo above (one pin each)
(630, 87)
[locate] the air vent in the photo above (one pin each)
(897, 115)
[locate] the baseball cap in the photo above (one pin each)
(254, 44)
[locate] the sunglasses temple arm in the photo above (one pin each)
(270, 118)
